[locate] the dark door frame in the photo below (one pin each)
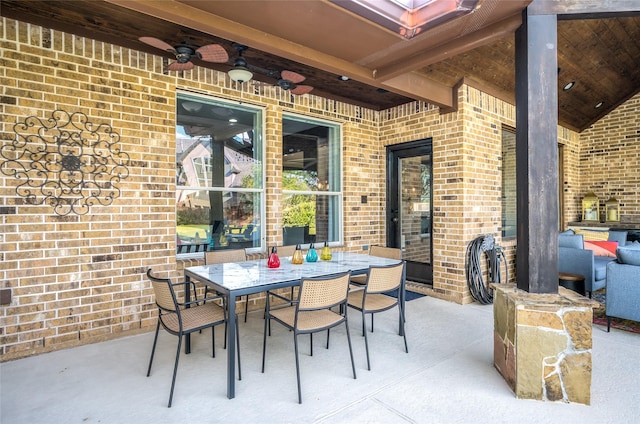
(394, 153)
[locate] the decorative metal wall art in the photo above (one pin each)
(65, 161)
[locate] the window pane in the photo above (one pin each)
(232, 222)
(508, 183)
(218, 174)
(217, 145)
(311, 173)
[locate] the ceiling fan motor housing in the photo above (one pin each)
(184, 54)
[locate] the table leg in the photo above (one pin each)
(231, 348)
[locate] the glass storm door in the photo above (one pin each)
(409, 206)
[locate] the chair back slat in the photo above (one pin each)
(225, 255)
(385, 252)
(323, 293)
(384, 278)
(165, 296)
(285, 251)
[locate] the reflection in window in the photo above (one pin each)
(508, 183)
(218, 175)
(311, 181)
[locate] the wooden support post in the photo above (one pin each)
(537, 154)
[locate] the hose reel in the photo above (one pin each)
(473, 267)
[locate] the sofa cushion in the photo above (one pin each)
(629, 254)
(619, 236)
(600, 267)
(593, 234)
(602, 248)
(574, 241)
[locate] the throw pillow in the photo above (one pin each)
(629, 255)
(602, 248)
(593, 234)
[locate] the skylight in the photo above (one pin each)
(408, 17)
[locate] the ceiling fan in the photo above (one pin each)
(184, 53)
(287, 80)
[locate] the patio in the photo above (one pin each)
(447, 377)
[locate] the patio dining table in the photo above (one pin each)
(235, 279)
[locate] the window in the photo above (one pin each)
(219, 175)
(311, 181)
(508, 183)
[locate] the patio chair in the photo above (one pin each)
(223, 256)
(371, 300)
(312, 312)
(381, 252)
(185, 318)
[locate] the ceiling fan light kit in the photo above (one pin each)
(240, 74)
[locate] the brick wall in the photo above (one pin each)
(79, 278)
(609, 162)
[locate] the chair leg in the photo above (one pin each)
(246, 307)
(366, 342)
(404, 330)
(153, 349)
(213, 340)
(328, 332)
(225, 336)
(311, 342)
(175, 370)
(353, 365)
(295, 344)
(267, 321)
(608, 330)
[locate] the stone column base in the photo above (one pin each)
(542, 343)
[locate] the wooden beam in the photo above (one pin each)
(418, 87)
(453, 48)
(537, 154)
(589, 8)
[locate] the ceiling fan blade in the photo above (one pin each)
(301, 89)
(213, 53)
(154, 42)
(177, 66)
(294, 77)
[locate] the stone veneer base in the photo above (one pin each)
(542, 343)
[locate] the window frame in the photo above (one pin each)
(337, 194)
(260, 138)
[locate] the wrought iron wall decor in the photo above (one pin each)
(65, 161)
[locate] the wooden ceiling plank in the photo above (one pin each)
(458, 46)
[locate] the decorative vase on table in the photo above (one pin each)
(325, 254)
(274, 260)
(312, 255)
(297, 258)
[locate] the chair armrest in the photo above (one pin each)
(623, 291)
(184, 283)
(577, 261)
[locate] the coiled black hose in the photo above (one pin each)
(473, 267)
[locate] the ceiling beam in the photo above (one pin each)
(453, 48)
(418, 87)
(593, 8)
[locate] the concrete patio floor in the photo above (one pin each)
(447, 377)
